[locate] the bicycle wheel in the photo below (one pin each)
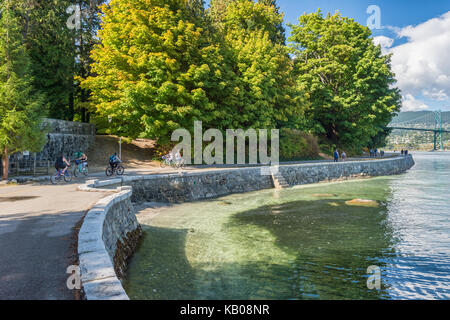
(85, 171)
(76, 171)
(120, 170)
(67, 176)
(55, 178)
(109, 171)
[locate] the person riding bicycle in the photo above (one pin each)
(114, 160)
(61, 163)
(178, 158)
(81, 158)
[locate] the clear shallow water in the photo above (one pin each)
(304, 242)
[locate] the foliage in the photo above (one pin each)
(20, 106)
(297, 145)
(157, 70)
(50, 46)
(268, 93)
(347, 79)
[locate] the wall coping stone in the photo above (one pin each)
(98, 277)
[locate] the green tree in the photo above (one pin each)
(217, 10)
(158, 68)
(50, 46)
(349, 82)
(270, 97)
(20, 106)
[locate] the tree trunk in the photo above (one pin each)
(5, 160)
(71, 104)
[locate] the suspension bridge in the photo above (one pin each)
(428, 122)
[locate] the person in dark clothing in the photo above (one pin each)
(114, 160)
(61, 163)
(336, 155)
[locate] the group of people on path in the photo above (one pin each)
(336, 155)
(374, 153)
(63, 164)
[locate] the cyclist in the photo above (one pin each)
(178, 158)
(114, 160)
(81, 158)
(61, 163)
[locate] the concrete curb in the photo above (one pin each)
(98, 277)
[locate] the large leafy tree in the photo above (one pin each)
(158, 68)
(270, 97)
(348, 80)
(20, 106)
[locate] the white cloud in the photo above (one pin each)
(435, 94)
(384, 42)
(409, 103)
(422, 64)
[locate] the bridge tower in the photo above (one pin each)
(438, 128)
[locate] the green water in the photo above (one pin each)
(302, 243)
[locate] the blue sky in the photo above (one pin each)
(416, 32)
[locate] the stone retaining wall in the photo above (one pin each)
(65, 137)
(193, 186)
(107, 238)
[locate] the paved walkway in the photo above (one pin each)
(37, 223)
(36, 235)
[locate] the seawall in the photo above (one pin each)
(107, 238)
(110, 231)
(182, 187)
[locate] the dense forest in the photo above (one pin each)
(142, 68)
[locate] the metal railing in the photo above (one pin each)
(28, 167)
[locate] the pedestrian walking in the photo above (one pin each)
(344, 156)
(336, 155)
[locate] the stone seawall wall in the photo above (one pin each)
(215, 183)
(313, 173)
(197, 185)
(107, 238)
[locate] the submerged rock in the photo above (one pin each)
(362, 202)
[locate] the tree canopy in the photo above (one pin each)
(20, 105)
(160, 65)
(349, 82)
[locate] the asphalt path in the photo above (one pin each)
(36, 238)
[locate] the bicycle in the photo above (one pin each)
(119, 170)
(166, 161)
(58, 176)
(81, 168)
